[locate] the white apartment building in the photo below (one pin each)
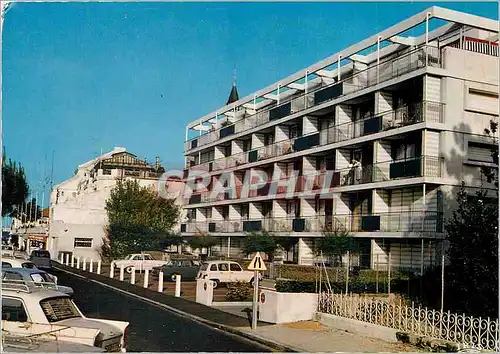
(77, 206)
(380, 134)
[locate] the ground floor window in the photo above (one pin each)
(83, 242)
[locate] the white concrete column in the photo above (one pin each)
(132, 276)
(67, 259)
(160, 282)
(177, 285)
(99, 267)
(121, 273)
(91, 266)
(72, 260)
(77, 262)
(84, 264)
(145, 284)
(112, 270)
(62, 258)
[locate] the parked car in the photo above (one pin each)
(27, 309)
(41, 258)
(34, 277)
(225, 272)
(8, 250)
(21, 263)
(140, 261)
(186, 268)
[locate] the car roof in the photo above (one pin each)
(23, 271)
(220, 261)
(35, 293)
(14, 260)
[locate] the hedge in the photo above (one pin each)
(355, 286)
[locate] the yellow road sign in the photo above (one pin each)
(257, 263)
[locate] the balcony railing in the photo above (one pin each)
(410, 221)
(408, 115)
(403, 64)
(423, 166)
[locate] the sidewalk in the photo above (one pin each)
(307, 336)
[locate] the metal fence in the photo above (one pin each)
(480, 333)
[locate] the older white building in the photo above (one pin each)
(380, 135)
(77, 206)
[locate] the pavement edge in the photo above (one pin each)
(233, 330)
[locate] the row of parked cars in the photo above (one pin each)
(34, 306)
(220, 272)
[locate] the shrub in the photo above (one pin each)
(239, 291)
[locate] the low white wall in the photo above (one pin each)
(204, 292)
(359, 327)
(275, 307)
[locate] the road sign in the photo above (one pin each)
(257, 263)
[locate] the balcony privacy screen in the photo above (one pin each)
(211, 227)
(253, 155)
(194, 143)
(254, 225)
(370, 223)
(195, 198)
(299, 225)
(373, 125)
(226, 131)
(281, 111)
(306, 142)
(328, 93)
(183, 227)
(411, 168)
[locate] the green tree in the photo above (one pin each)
(138, 219)
(261, 241)
(14, 188)
(202, 240)
(334, 244)
(491, 173)
(472, 233)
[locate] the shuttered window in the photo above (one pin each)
(479, 152)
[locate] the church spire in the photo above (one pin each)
(233, 95)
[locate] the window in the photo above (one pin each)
(147, 257)
(58, 309)
(223, 267)
(28, 265)
(13, 310)
(185, 263)
(41, 278)
(213, 268)
(204, 266)
(479, 152)
(83, 242)
(235, 267)
(12, 276)
(6, 265)
(138, 258)
(405, 151)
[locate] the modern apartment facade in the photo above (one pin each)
(374, 139)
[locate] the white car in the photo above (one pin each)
(225, 272)
(8, 250)
(32, 311)
(141, 261)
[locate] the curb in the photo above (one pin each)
(233, 330)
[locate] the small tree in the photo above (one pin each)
(202, 240)
(334, 244)
(472, 233)
(491, 173)
(14, 188)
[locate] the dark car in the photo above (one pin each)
(186, 268)
(41, 258)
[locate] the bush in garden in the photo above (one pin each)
(239, 291)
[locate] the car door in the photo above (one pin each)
(14, 310)
(137, 261)
(224, 273)
(236, 272)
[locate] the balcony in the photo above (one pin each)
(403, 64)
(385, 121)
(409, 221)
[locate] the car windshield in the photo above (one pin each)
(41, 254)
(58, 309)
(129, 257)
(41, 278)
(28, 265)
(204, 266)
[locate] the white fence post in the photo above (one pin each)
(67, 259)
(121, 273)
(84, 264)
(146, 278)
(72, 260)
(62, 258)
(91, 266)
(112, 270)
(160, 282)
(99, 267)
(177, 285)
(132, 276)
(77, 262)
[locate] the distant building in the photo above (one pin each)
(78, 217)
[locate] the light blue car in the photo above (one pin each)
(33, 277)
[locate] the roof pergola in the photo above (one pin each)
(300, 82)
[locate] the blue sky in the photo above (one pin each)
(78, 77)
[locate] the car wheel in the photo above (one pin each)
(216, 283)
(128, 270)
(173, 276)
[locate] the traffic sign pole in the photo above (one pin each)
(255, 298)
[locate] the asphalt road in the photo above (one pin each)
(152, 329)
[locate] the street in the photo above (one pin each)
(152, 329)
